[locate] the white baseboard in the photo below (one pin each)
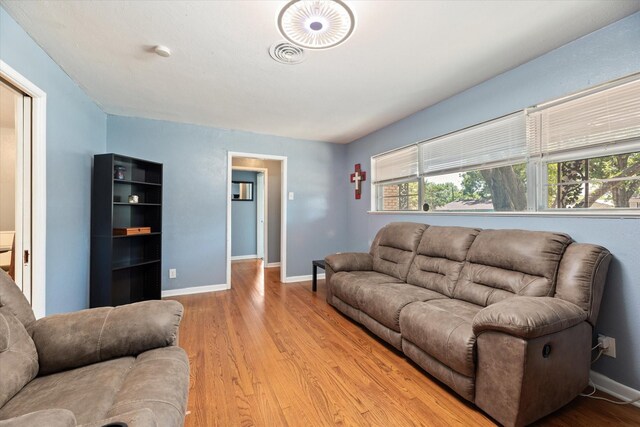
(195, 290)
(272, 265)
(239, 257)
(614, 388)
(308, 277)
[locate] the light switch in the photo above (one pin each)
(290, 195)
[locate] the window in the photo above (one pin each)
(578, 152)
(481, 168)
(502, 188)
(404, 196)
(597, 183)
(588, 148)
(395, 176)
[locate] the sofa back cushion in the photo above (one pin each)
(504, 263)
(394, 248)
(440, 257)
(18, 356)
(14, 300)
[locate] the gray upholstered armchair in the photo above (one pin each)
(91, 367)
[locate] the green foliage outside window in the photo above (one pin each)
(495, 189)
(601, 182)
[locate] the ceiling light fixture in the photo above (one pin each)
(316, 24)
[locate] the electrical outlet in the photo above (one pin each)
(608, 345)
(172, 273)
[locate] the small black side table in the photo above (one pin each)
(317, 263)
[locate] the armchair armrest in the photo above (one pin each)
(350, 261)
(528, 317)
(83, 337)
(46, 417)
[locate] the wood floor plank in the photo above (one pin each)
(269, 354)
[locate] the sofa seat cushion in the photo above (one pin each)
(383, 302)
(345, 285)
(88, 392)
(443, 329)
(159, 381)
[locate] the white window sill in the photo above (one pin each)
(630, 214)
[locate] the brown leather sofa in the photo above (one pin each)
(503, 317)
(91, 367)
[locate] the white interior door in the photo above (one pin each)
(260, 210)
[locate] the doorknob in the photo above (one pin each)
(26, 257)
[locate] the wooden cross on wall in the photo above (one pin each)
(356, 177)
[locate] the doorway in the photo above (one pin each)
(249, 207)
(23, 185)
(270, 173)
(15, 186)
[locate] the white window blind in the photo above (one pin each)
(595, 119)
(396, 165)
(499, 140)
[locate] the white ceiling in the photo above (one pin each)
(403, 56)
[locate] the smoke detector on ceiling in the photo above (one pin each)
(162, 50)
(286, 53)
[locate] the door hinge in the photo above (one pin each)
(26, 257)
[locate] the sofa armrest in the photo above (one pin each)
(528, 317)
(83, 337)
(46, 417)
(143, 417)
(350, 261)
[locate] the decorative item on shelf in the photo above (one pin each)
(356, 177)
(118, 172)
(130, 231)
(133, 198)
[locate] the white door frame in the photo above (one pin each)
(283, 208)
(38, 186)
(262, 209)
(265, 228)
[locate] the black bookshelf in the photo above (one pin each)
(125, 268)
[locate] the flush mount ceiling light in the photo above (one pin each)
(316, 24)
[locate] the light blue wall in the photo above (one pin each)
(195, 193)
(76, 130)
(244, 218)
(607, 54)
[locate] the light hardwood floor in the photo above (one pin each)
(268, 354)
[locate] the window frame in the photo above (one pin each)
(479, 167)
(580, 154)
